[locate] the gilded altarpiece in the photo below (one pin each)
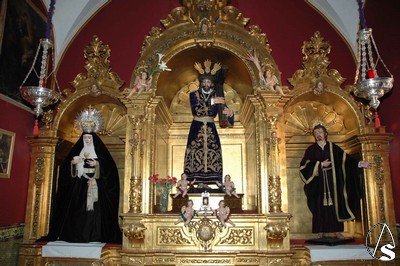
(146, 133)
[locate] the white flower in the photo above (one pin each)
(163, 66)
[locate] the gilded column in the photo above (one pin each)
(274, 180)
(137, 149)
(378, 184)
(132, 226)
(40, 186)
(277, 227)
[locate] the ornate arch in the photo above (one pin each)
(200, 30)
(328, 104)
(96, 86)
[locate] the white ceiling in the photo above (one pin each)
(342, 14)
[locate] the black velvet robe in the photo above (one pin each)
(203, 156)
(345, 185)
(70, 220)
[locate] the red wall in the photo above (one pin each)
(13, 190)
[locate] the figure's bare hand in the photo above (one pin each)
(219, 100)
(77, 160)
(227, 112)
(92, 162)
(326, 163)
(365, 164)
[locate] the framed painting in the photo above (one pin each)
(7, 140)
(22, 25)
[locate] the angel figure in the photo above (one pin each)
(187, 213)
(182, 186)
(223, 212)
(267, 78)
(142, 83)
(228, 186)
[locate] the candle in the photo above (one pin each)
(371, 74)
(49, 18)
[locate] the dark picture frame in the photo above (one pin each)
(22, 25)
(7, 141)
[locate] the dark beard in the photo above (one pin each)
(206, 89)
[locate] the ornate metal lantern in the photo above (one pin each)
(40, 96)
(368, 83)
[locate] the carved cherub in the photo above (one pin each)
(223, 213)
(228, 186)
(142, 83)
(182, 186)
(187, 213)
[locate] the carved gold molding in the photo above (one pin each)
(98, 69)
(239, 236)
(205, 231)
(274, 194)
(172, 236)
(135, 195)
(316, 62)
(134, 232)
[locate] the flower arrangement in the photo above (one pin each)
(164, 186)
(168, 181)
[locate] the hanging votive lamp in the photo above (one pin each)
(40, 96)
(369, 84)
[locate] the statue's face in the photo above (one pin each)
(206, 84)
(319, 134)
(143, 75)
(88, 139)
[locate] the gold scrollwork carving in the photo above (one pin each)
(316, 62)
(139, 261)
(379, 170)
(205, 261)
(47, 118)
(134, 232)
(171, 236)
(135, 195)
(381, 204)
(205, 231)
(277, 230)
(39, 171)
(239, 236)
(164, 260)
(98, 69)
(36, 209)
(248, 260)
(137, 123)
(280, 261)
(275, 194)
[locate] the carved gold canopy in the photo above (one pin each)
(200, 30)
